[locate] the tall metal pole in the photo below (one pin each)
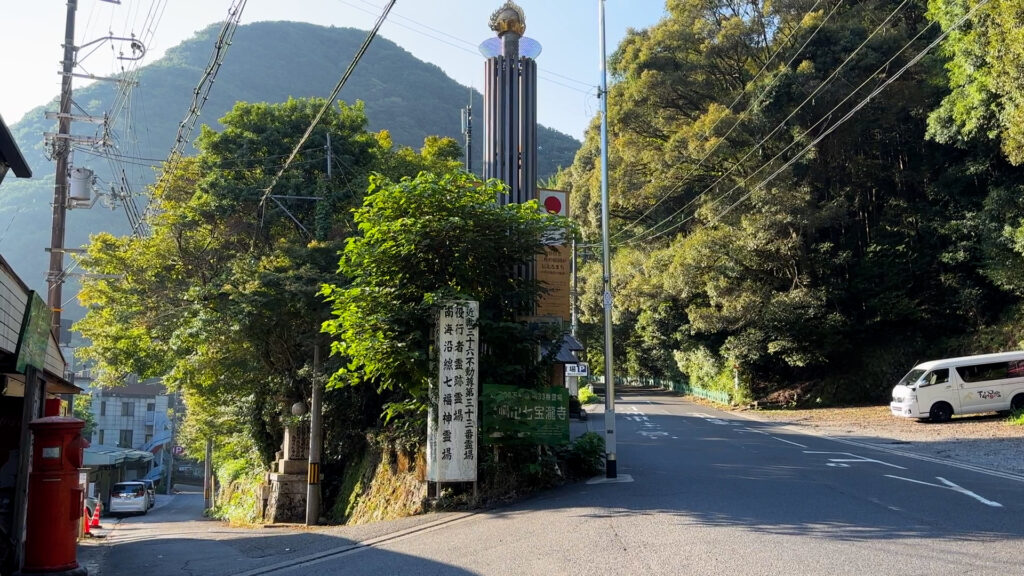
(315, 435)
(574, 295)
(611, 470)
(61, 150)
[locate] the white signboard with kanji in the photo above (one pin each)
(452, 425)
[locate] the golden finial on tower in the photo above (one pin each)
(508, 18)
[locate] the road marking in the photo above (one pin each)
(651, 433)
(950, 486)
(853, 458)
(961, 465)
(788, 442)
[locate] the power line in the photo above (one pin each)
(471, 48)
(741, 117)
(330, 101)
(653, 233)
(849, 114)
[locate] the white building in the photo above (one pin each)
(132, 416)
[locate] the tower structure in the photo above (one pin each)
(510, 105)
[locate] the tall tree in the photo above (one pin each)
(222, 299)
(422, 240)
(985, 74)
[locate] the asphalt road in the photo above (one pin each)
(699, 492)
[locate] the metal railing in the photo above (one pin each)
(682, 387)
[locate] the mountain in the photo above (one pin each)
(267, 62)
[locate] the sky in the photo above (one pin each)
(442, 32)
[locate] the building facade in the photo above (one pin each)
(134, 416)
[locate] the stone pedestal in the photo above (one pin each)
(287, 500)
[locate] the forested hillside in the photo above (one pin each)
(267, 62)
(808, 196)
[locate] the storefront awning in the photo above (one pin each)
(98, 456)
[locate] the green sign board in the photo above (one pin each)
(513, 415)
(34, 336)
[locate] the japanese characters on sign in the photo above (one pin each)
(452, 427)
(34, 336)
(515, 415)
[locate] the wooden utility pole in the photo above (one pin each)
(61, 152)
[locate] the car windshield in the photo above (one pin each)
(912, 377)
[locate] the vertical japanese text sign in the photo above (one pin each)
(452, 425)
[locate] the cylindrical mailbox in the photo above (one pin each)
(55, 498)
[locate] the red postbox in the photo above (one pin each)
(55, 497)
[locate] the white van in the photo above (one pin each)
(938, 389)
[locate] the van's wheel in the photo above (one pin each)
(940, 412)
(1017, 403)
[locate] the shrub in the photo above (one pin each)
(585, 456)
(587, 396)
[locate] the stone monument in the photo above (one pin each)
(286, 501)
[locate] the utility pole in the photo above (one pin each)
(467, 131)
(315, 435)
(611, 465)
(330, 158)
(61, 151)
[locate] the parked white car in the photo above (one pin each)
(938, 389)
(129, 497)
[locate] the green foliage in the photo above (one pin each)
(83, 411)
(585, 456)
(1017, 418)
(508, 472)
(221, 300)
(238, 499)
(986, 57)
(873, 250)
(424, 240)
(587, 396)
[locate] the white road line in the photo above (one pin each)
(853, 458)
(950, 486)
(922, 457)
(788, 442)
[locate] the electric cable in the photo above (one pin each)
(653, 233)
(740, 118)
(849, 114)
(330, 101)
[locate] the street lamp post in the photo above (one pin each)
(609, 374)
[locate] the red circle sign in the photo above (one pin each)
(553, 205)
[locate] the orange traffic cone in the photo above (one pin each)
(85, 521)
(96, 517)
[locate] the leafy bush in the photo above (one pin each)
(587, 396)
(585, 456)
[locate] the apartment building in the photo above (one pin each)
(132, 416)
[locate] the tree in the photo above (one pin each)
(222, 299)
(750, 236)
(985, 73)
(423, 240)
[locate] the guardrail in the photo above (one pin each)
(682, 387)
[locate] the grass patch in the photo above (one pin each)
(1016, 419)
